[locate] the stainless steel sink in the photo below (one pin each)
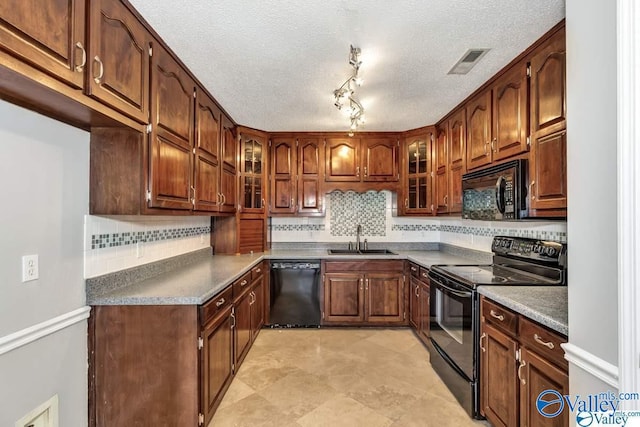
(361, 252)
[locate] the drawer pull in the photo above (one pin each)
(484, 335)
(258, 270)
(414, 269)
(417, 291)
(493, 314)
(425, 275)
(539, 340)
(244, 282)
(522, 365)
(220, 302)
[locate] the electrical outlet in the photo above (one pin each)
(30, 269)
(139, 249)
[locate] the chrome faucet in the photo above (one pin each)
(358, 233)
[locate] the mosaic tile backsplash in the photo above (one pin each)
(349, 209)
(122, 242)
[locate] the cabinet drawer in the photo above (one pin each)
(364, 266)
(542, 341)
(256, 272)
(215, 305)
(242, 284)
(424, 275)
(500, 317)
(414, 269)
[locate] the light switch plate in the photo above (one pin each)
(30, 268)
(45, 415)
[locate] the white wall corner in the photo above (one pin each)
(592, 364)
(628, 98)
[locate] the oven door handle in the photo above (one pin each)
(461, 294)
(500, 189)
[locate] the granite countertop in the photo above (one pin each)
(196, 281)
(546, 305)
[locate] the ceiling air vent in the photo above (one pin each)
(468, 61)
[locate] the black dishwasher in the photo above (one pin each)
(295, 294)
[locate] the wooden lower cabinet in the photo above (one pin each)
(177, 361)
(519, 359)
(217, 361)
(364, 293)
(419, 301)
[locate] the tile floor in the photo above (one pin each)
(338, 377)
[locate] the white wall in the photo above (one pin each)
(591, 152)
(44, 175)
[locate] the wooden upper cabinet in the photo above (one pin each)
(417, 183)
(479, 131)
(380, 160)
(457, 160)
(343, 160)
(171, 138)
(310, 176)
(207, 155)
(548, 85)
(547, 159)
(283, 175)
(228, 157)
(510, 113)
(253, 154)
(441, 186)
(49, 35)
(118, 59)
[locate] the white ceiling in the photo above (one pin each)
(273, 65)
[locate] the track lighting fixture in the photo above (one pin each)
(344, 96)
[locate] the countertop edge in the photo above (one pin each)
(525, 310)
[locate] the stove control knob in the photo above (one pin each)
(549, 251)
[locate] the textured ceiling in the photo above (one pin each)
(273, 65)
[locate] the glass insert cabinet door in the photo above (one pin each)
(251, 175)
(418, 193)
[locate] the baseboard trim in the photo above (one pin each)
(48, 327)
(592, 364)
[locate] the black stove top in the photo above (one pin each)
(516, 261)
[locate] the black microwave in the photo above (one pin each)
(496, 193)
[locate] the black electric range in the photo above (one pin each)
(455, 306)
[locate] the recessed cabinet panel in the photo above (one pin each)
(343, 161)
(118, 59)
(47, 34)
(283, 176)
(385, 297)
(343, 297)
(172, 134)
(548, 183)
(510, 114)
(380, 160)
(457, 161)
(479, 131)
(207, 161)
(548, 84)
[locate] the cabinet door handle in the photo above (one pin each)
(522, 365)
(219, 199)
(484, 335)
(357, 170)
(258, 270)
(547, 344)
(494, 143)
(406, 203)
(493, 314)
(220, 302)
(417, 291)
(293, 203)
(486, 153)
(244, 282)
(531, 184)
(445, 198)
(361, 284)
(233, 317)
(365, 171)
(193, 198)
(366, 286)
(80, 68)
(98, 78)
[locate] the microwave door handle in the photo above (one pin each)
(500, 188)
